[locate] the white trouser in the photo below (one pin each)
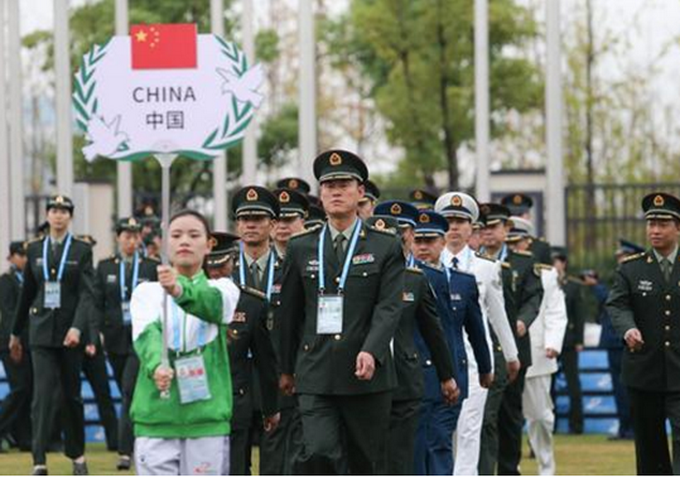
(469, 430)
(538, 411)
(199, 456)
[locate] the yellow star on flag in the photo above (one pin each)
(141, 35)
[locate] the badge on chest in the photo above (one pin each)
(239, 317)
(408, 297)
(363, 258)
(192, 379)
(645, 285)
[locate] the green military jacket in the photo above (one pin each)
(540, 249)
(641, 298)
(48, 327)
(420, 310)
(108, 305)
(10, 288)
(523, 292)
(325, 363)
(576, 312)
(249, 346)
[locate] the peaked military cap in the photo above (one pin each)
(626, 247)
(559, 253)
(384, 222)
(17, 248)
(492, 214)
(255, 200)
(517, 203)
(458, 204)
(60, 202)
(404, 212)
(520, 229)
(314, 200)
(128, 224)
(315, 216)
(339, 164)
(294, 183)
(660, 205)
(223, 245)
(431, 224)
(372, 191)
(291, 203)
(422, 199)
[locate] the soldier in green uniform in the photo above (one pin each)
(422, 199)
(644, 305)
(115, 279)
(15, 418)
(293, 212)
(420, 312)
(315, 217)
(522, 292)
(340, 306)
(53, 304)
(371, 196)
(520, 205)
(573, 337)
(296, 184)
(249, 346)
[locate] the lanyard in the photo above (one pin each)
(410, 261)
(503, 254)
(135, 277)
(64, 256)
(19, 274)
(177, 330)
(270, 271)
(348, 258)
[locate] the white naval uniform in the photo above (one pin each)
(547, 331)
(488, 275)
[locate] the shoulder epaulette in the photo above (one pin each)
(382, 231)
(152, 259)
(542, 266)
(32, 241)
(485, 257)
(81, 240)
(506, 265)
(523, 253)
(306, 232)
(252, 291)
(630, 258)
(414, 270)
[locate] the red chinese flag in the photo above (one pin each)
(163, 46)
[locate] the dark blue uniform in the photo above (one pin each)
(458, 306)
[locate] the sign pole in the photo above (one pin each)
(165, 160)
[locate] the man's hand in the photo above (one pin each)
(486, 380)
(633, 339)
(450, 391)
(270, 423)
(551, 353)
(163, 378)
(16, 351)
(90, 350)
(513, 368)
(72, 338)
(365, 366)
(521, 329)
(167, 277)
(287, 384)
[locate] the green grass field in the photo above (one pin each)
(576, 455)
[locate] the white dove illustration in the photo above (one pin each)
(244, 87)
(105, 138)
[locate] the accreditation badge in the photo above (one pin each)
(329, 315)
(52, 295)
(125, 309)
(192, 379)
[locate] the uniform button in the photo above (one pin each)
(668, 312)
(34, 310)
(313, 277)
(667, 343)
(428, 363)
(454, 308)
(364, 274)
(241, 392)
(337, 337)
(667, 327)
(54, 270)
(235, 332)
(337, 279)
(306, 347)
(415, 355)
(668, 298)
(644, 293)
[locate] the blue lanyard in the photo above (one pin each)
(64, 256)
(504, 253)
(410, 261)
(348, 258)
(270, 271)
(135, 277)
(19, 274)
(177, 329)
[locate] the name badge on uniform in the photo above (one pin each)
(192, 379)
(645, 285)
(364, 258)
(127, 316)
(52, 295)
(111, 278)
(408, 297)
(329, 315)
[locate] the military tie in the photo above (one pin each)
(454, 263)
(340, 248)
(666, 268)
(255, 275)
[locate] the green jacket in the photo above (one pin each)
(325, 364)
(198, 322)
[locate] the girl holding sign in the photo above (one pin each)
(181, 412)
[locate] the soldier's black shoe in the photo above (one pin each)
(80, 468)
(40, 470)
(124, 463)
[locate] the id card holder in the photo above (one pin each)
(192, 379)
(125, 309)
(329, 315)
(52, 295)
